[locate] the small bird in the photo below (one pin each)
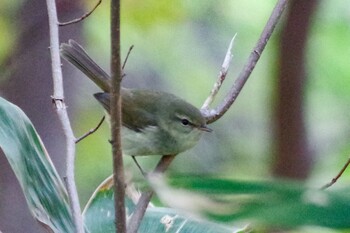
(153, 122)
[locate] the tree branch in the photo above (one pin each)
(221, 78)
(82, 17)
(58, 100)
(335, 179)
(118, 166)
(91, 131)
(250, 65)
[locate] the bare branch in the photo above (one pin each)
(146, 197)
(335, 179)
(82, 17)
(116, 78)
(250, 65)
(58, 100)
(91, 131)
(221, 78)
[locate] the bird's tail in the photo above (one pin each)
(76, 55)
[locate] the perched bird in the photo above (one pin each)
(154, 122)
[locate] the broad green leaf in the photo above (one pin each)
(43, 189)
(274, 203)
(99, 216)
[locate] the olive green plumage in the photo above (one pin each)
(154, 122)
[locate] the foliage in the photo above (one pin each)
(283, 204)
(41, 185)
(99, 216)
(46, 196)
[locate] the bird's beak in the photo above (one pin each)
(205, 128)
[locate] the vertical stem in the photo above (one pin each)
(58, 100)
(118, 167)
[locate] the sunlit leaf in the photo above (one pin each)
(99, 216)
(43, 189)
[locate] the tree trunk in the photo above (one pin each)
(293, 157)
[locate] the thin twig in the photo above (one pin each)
(118, 164)
(250, 65)
(91, 131)
(82, 17)
(335, 179)
(58, 100)
(146, 197)
(221, 78)
(127, 56)
(138, 166)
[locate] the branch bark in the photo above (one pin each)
(250, 65)
(58, 100)
(118, 166)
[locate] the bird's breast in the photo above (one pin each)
(154, 141)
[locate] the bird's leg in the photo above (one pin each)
(138, 165)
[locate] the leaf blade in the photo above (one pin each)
(43, 189)
(99, 216)
(272, 203)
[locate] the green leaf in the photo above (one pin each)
(274, 203)
(99, 216)
(41, 185)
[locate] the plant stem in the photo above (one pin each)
(58, 100)
(118, 166)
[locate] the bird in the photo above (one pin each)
(153, 122)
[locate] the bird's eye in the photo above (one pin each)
(185, 121)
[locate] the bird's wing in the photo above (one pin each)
(138, 110)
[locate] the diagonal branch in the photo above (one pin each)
(91, 131)
(146, 197)
(335, 179)
(58, 100)
(82, 17)
(250, 65)
(212, 116)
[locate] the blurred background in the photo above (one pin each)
(291, 120)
